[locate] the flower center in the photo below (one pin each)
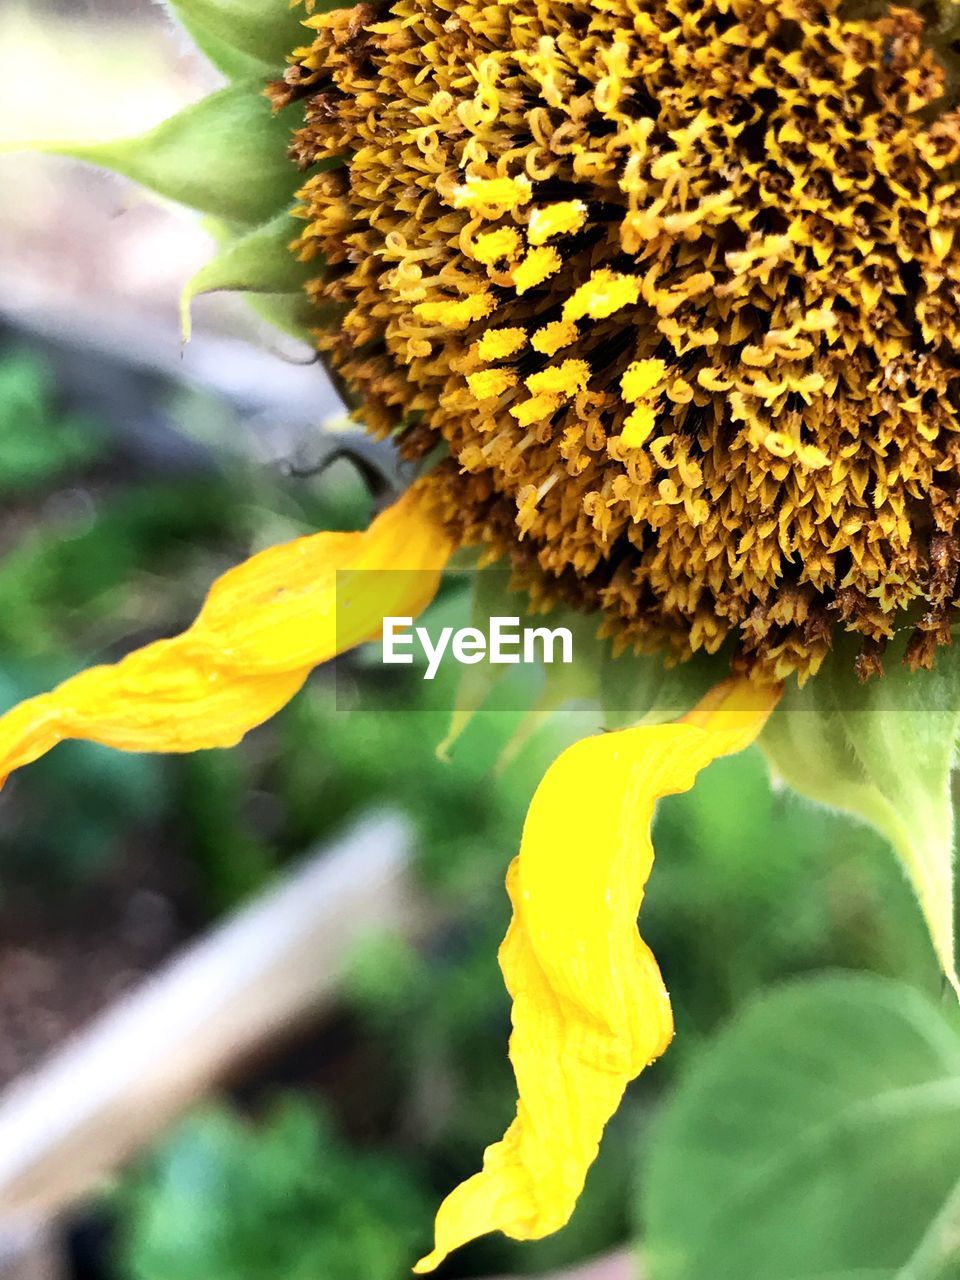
(676, 284)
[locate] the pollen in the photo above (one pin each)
(500, 344)
(560, 219)
(605, 293)
(638, 425)
(674, 285)
(486, 383)
(536, 267)
(640, 379)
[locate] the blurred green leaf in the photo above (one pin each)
(882, 751)
(224, 1199)
(818, 1136)
(58, 583)
(36, 443)
(235, 862)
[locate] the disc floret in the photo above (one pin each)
(677, 286)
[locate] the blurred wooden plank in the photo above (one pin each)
(105, 1095)
(30, 1253)
(623, 1264)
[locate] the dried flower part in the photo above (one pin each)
(590, 1010)
(264, 626)
(678, 285)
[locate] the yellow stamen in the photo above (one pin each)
(535, 409)
(603, 294)
(498, 344)
(495, 194)
(564, 379)
(494, 245)
(638, 425)
(491, 382)
(640, 379)
(456, 313)
(554, 336)
(556, 220)
(537, 266)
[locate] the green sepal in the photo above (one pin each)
(291, 313)
(882, 751)
(640, 689)
(260, 262)
(231, 32)
(628, 689)
(225, 155)
(492, 597)
(232, 63)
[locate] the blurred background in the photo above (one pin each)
(131, 472)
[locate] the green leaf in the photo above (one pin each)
(259, 262)
(225, 155)
(226, 1199)
(36, 443)
(882, 751)
(818, 1138)
(262, 31)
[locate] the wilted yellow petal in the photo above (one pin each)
(298, 604)
(264, 626)
(590, 1010)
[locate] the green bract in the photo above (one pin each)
(259, 262)
(882, 751)
(243, 35)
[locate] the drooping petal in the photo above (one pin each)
(264, 626)
(590, 1010)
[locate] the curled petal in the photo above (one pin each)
(264, 626)
(590, 1010)
(299, 604)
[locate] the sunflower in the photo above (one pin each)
(662, 298)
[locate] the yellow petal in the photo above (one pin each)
(590, 1010)
(299, 604)
(264, 625)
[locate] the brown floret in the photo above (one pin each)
(677, 283)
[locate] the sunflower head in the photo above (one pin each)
(675, 283)
(672, 290)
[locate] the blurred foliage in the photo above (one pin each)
(223, 1199)
(751, 885)
(36, 442)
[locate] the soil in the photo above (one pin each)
(64, 961)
